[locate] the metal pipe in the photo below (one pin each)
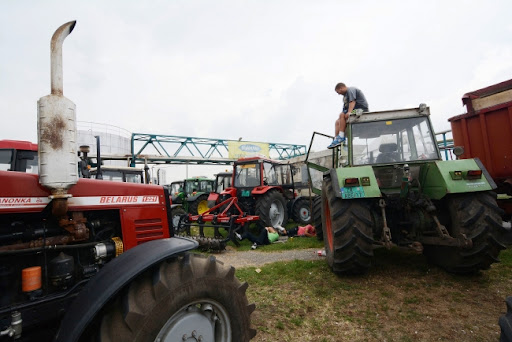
(56, 56)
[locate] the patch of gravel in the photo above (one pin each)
(259, 258)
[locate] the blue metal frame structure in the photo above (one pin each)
(187, 150)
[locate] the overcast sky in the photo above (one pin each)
(261, 70)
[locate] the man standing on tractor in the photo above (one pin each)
(353, 98)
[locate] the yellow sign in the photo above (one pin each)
(241, 149)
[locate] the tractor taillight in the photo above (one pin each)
(351, 181)
(456, 175)
(474, 174)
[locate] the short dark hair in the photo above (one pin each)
(339, 85)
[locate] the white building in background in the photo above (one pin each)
(113, 140)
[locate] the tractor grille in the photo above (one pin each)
(148, 229)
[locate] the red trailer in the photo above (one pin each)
(485, 132)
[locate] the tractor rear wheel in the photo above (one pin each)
(347, 228)
(302, 211)
(478, 217)
(271, 208)
(190, 298)
(200, 205)
(317, 217)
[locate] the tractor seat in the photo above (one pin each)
(388, 153)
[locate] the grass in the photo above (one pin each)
(401, 298)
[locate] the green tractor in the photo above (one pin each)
(389, 187)
(190, 196)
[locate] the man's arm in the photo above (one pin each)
(351, 106)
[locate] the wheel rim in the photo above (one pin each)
(201, 320)
(202, 207)
(305, 214)
(276, 213)
(328, 226)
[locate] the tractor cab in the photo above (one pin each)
(391, 137)
(265, 188)
(119, 174)
(261, 172)
(16, 155)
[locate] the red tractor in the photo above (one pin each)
(265, 188)
(84, 259)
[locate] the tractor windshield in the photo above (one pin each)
(247, 175)
(393, 141)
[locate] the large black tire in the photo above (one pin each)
(176, 214)
(271, 208)
(188, 295)
(200, 205)
(478, 217)
(301, 212)
(505, 322)
(317, 217)
(347, 228)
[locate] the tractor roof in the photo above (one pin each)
(390, 114)
(256, 159)
(125, 169)
(18, 145)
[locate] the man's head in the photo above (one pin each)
(341, 88)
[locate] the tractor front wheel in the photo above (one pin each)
(478, 218)
(271, 208)
(347, 228)
(302, 211)
(190, 298)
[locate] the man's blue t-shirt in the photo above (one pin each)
(355, 94)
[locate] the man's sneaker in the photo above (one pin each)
(238, 236)
(254, 246)
(336, 142)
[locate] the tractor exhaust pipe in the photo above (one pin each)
(56, 56)
(56, 127)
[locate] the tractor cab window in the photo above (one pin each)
(191, 186)
(277, 174)
(270, 176)
(223, 182)
(206, 186)
(115, 176)
(23, 161)
(133, 178)
(5, 160)
(176, 188)
(392, 141)
(247, 175)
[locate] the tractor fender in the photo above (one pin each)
(370, 190)
(260, 190)
(213, 197)
(438, 181)
(230, 192)
(176, 205)
(114, 276)
(192, 198)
